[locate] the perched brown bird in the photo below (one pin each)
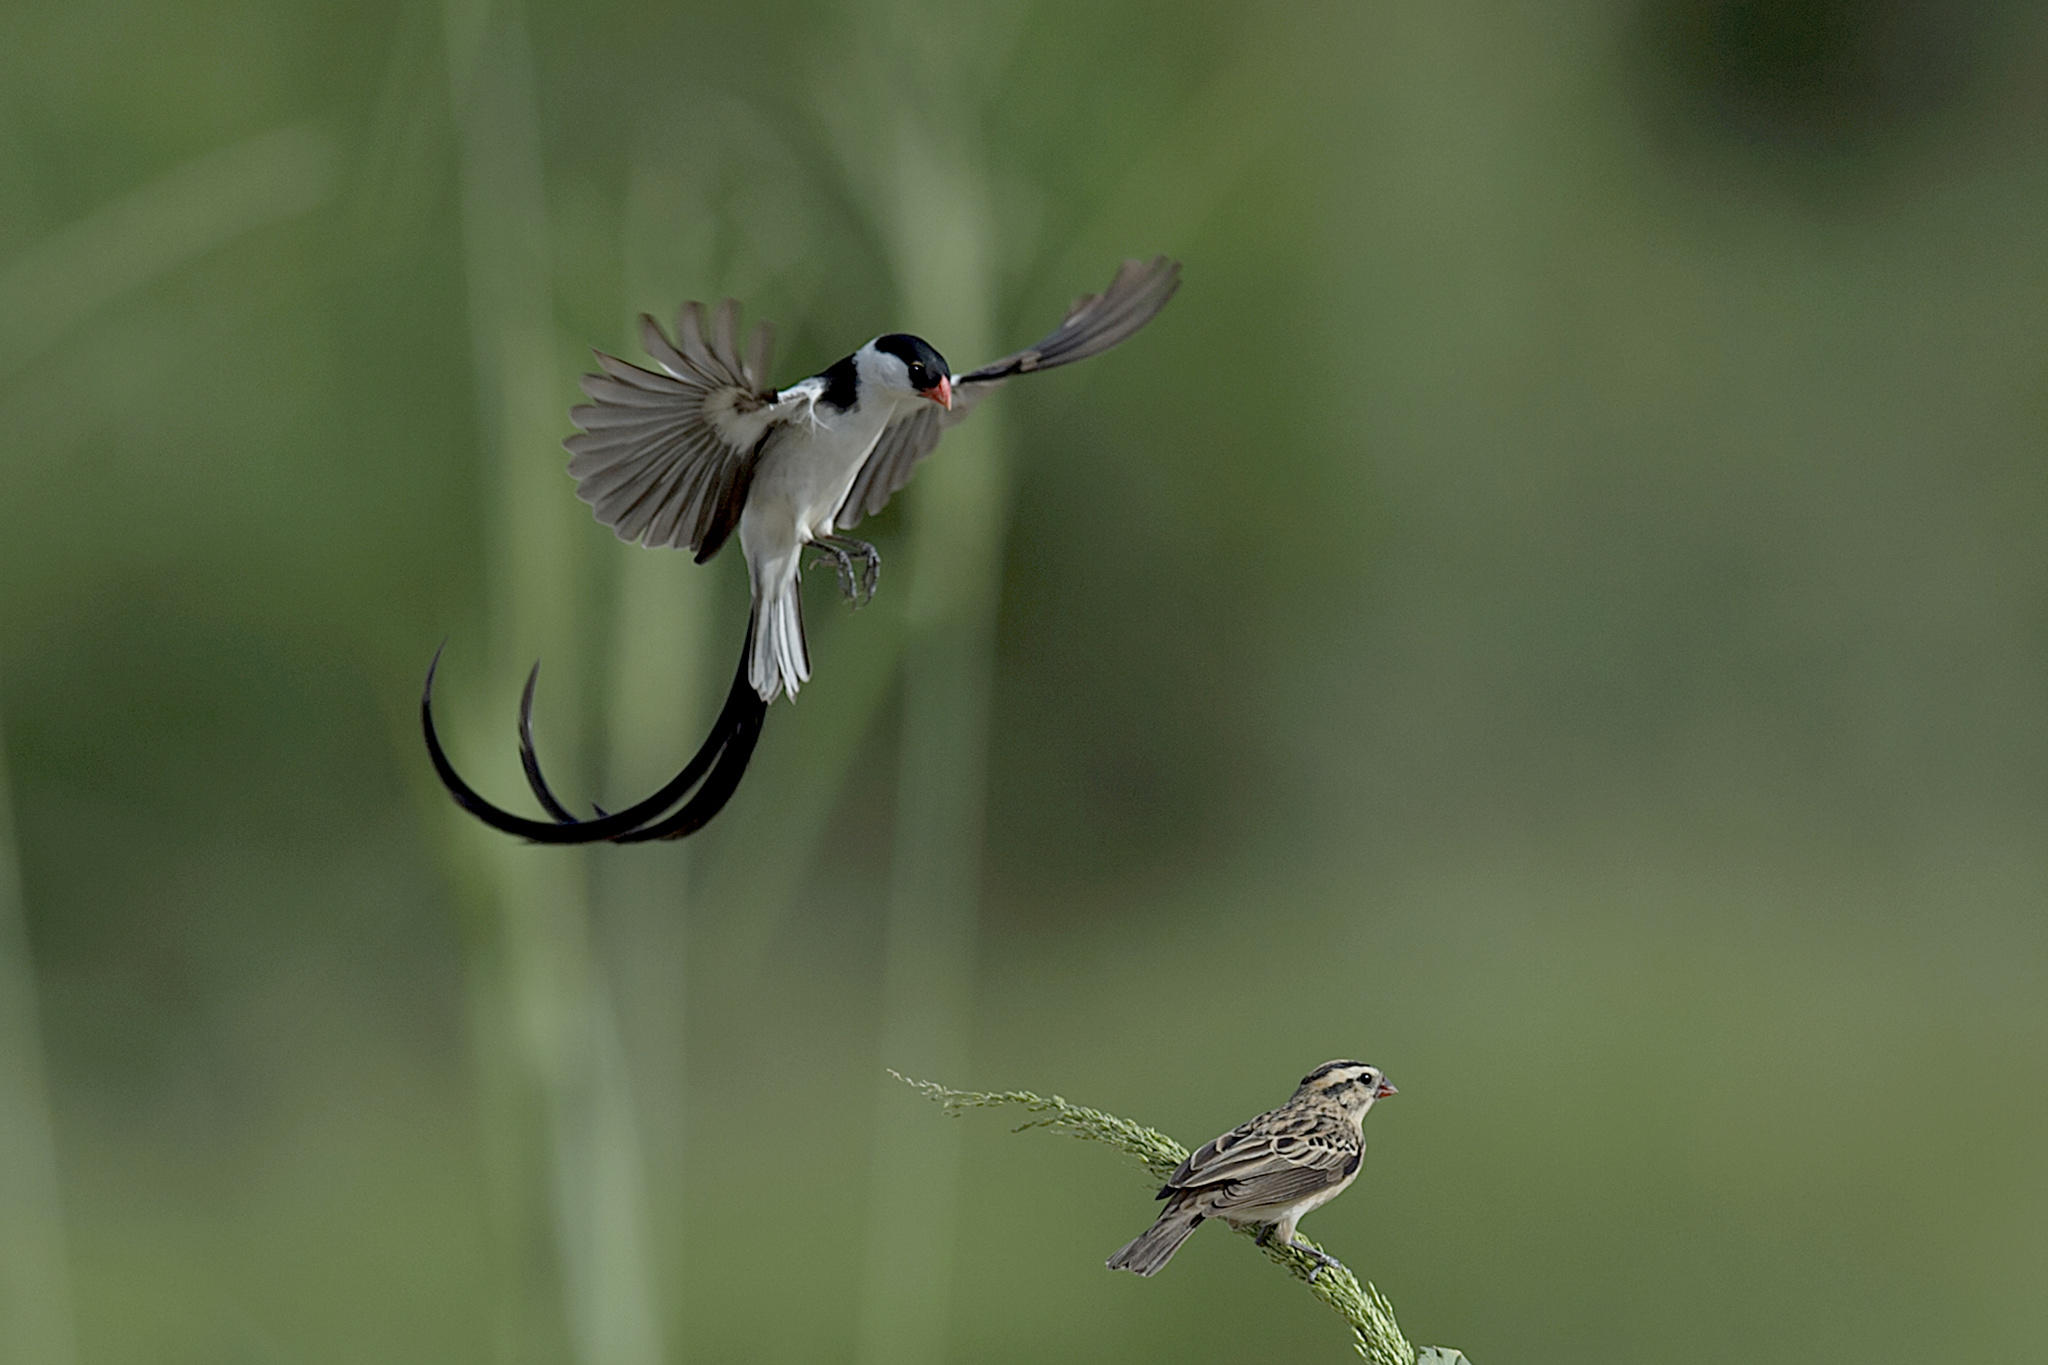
(1271, 1170)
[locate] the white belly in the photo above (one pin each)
(803, 477)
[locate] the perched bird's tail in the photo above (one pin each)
(777, 660)
(1155, 1246)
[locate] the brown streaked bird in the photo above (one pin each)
(1273, 1169)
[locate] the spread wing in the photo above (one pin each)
(665, 458)
(1266, 1162)
(1095, 323)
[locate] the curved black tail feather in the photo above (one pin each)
(529, 759)
(718, 764)
(719, 784)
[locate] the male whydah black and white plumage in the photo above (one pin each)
(686, 454)
(1273, 1169)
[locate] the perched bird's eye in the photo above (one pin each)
(917, 374)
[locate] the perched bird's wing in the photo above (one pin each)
(1329, 1165)
(665, 458)
(1095, 323)
(1274, 1159)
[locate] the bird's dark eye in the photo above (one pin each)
(917, 374)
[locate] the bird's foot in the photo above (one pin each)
(857, 564)
(1322, 1258)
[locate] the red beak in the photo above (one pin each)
(1386, 1089)
(941, 393)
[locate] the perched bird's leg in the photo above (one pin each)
(840, 552)
(1293, 1243)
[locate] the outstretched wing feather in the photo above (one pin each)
(1095, 323)
(664, 458)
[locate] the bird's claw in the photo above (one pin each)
(1323, 1259)
(856, 584)
(1317, 1254)
(842, 564)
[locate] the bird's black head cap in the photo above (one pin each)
(927, 367)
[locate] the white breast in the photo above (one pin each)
(808, 467)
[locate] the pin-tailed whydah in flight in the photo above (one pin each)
(683, 454)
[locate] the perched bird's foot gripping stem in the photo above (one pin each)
(1317, 1254)
(857, 585)
(1322, 1258)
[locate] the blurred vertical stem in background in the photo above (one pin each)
(35, 1283)
(56, 287)
(661, 657)
(557, 1114)
(939, 233)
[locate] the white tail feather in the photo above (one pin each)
(778, 661)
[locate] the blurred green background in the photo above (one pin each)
(1556, 607)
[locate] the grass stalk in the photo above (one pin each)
(47, 293)
(663, 664)
(940, 230)
(36, 1323)
(574, 1277)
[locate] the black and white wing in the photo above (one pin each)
(1095, 323)
(665, 458)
